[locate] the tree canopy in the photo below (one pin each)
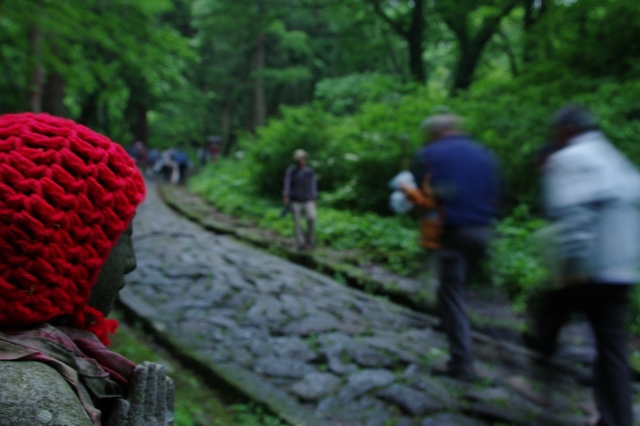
(175, 71)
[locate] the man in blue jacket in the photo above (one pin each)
(591, 192)
(463, 178)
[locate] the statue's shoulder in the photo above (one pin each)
(33, 393)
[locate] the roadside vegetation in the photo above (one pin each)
(348, 81)
(197, 402)
(355, 155)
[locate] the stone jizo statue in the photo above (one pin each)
(68, 196)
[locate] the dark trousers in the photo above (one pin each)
(605, 307)
(462, 249)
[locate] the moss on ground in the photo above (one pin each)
(198, 403)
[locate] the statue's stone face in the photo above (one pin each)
(120, 262)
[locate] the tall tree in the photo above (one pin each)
(473, 23)
(80, 55)
(595, 38)
(251, 63)
(534, 11)
(407, 19)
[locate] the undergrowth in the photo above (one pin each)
(514, 266)
(197, 403)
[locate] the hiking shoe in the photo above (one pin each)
(467, 374)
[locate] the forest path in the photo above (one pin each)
(315, 351)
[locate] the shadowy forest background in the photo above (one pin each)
(347, 80)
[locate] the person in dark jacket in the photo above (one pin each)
(300, 194)
(458, 180)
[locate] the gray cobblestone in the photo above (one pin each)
(319, 352)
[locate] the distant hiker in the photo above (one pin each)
(591, 193)
(300, 193)
(458, 191)
(152, 158)
(214, 144)
(181, 165)
(138, 153)
(166, 167)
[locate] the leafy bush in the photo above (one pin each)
(356, 155)
(269, 153)
(392, 241)
(513, 262)
(344, 95)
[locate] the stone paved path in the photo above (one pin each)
(317, 352)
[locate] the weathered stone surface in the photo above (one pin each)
(299, 342)
(33, 393)
(315, 386)
(411, 401)
(334, 342)
(292, 347)
(363, 381)
(318, 323)
(361, 411)
(370, 358)
(452, 419)
(280, 367)
(336, 365)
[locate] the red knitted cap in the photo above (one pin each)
(67, 193)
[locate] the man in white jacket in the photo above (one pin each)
(591, 192)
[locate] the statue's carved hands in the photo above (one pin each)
(149, 401)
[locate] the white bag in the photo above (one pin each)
(404, 177)
(398, 202)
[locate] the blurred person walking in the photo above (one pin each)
(458, 191)
(591, 194)
(300, 193)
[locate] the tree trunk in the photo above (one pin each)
(511, 56)
(414, 39)
(260, 99)
(54, 90)
(142, 124)
(466, 66)
(413, 35)
(36, 69)
(534, 10)
(89, 112)
(472, 46)
(225, 122)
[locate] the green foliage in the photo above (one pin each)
(196, 404)
(514, 263)
(344, 95)
(596, 38)
(387, 240)
(89, 63)
(229, 187)
(253, 415)
(168, 122)
(270, 153)
(634, 317)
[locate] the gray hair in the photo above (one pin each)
(574, 116)
(440, 123)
